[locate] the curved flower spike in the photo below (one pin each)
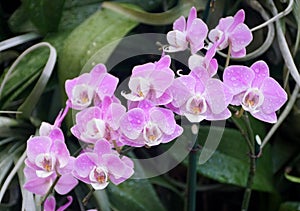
(255, 90)
(232, 31)
(192, 32)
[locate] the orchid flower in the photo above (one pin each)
(102, 165)
(208, 63)
(255, 90)
(91, 86)
(200, 99)
(48, 158)
(151, 81)
(231, 31)
(192, 32)
(93, 123)
(150, 126)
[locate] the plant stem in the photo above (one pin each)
(50, 191)
(228, 56)
(87, 197)
(192, 180)
(250, 180)
(251, 174)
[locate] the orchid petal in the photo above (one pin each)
(38, 145)
(274, 95)
(238, 78)
(179, 24)
(132, 123)
(261, 71)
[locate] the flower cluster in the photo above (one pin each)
(199, 95)
(156, 95)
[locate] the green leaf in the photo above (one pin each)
(76, 14)
(100, 29)
(28, 105)
(28, 70)
(134, 13)
(28, 67)
(6, 159)
(159, 180)
(28, 201)
(131, 194)
(44, 14)
(102, 200)
(73, 14)
(134, 195)
(6, 121)
(230, 163)
(19, 21)
(290, 206)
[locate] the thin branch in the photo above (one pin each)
(276, 17)
(284, 48)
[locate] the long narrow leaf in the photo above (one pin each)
(27, 107)
(12, 174)
(28, 202)
(12, 42)
(154, 18)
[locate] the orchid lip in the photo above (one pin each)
(82, 95)
(252, 100)
(196, 105)
(152, 134)
(95, 129)
(46, 162)
(99, 177)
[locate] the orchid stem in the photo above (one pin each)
(87, 197)
(228, 56)
(192, 180)
(251, 174)
(50, 191)
(250, 180)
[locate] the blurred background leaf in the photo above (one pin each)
(44, 14)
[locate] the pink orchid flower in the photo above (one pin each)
(204, 63)
(192, 32)
(50, 204)
(93, 123)
(151, 81)
(148, 126)
(255, 90)
(48, 158)
(232, 31)
(91, 86)
(200, 99)
(102, 165)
